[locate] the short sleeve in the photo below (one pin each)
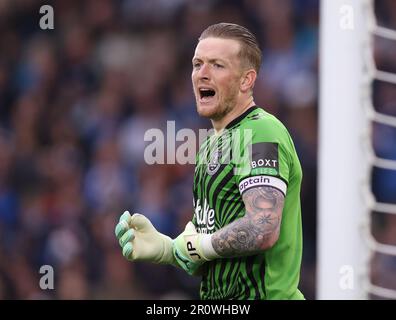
(262, 160)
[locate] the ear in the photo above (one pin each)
(248, 79)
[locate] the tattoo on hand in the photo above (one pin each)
(257, 230)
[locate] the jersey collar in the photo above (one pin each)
(241, 117)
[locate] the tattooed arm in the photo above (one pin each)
(258, 230)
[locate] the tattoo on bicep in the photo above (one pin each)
(257, 229)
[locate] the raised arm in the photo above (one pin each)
(258, 230)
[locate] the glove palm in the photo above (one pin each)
(140, 241)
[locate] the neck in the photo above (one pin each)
(219, 125)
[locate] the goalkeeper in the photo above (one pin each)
(245, 237)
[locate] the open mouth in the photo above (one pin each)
(206, 94)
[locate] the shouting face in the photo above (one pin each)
(216, 76)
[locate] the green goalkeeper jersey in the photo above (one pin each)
(254, 150)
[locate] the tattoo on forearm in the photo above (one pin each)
(257, 230)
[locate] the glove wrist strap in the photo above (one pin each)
(208, 251)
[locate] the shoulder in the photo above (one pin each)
(266, 127)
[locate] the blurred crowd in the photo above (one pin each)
(75, 103)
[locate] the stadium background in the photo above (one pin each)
(75, 103)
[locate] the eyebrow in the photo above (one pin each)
(210, 60)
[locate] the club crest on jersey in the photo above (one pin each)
(214, 163)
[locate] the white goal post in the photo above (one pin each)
(346, 154)
(343, 166)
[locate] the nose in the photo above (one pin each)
(203, 72)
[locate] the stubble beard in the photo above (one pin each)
(222, 109)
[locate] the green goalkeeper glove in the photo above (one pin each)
(140, 241)
(192, 249)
